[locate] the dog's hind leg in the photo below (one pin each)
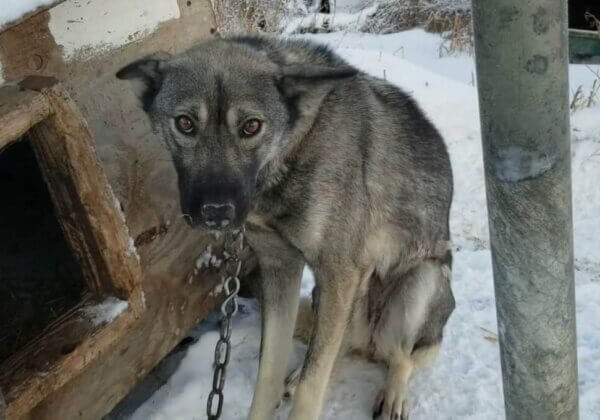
(390, 400)
(279, 281)
(332, 312)
(409, 333)
(302, 331)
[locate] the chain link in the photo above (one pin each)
(229, 307)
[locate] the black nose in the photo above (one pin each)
(218, 215)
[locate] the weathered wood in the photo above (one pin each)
(19, 111)
(96, 231)
(63, 351)
(174, 304)
(177, 294)
(85, 206)
(29, 49)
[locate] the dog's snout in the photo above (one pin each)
(218, 215)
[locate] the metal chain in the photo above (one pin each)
(229, 307)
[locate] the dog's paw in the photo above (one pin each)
(390, 405)
(291, 382)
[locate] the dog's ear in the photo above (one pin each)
(148, 72)
(296, 79)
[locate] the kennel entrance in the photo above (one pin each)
(39, 275)
(69, 279)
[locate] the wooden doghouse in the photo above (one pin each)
(98, 194)
(95, 230)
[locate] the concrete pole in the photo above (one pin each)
(522, 68)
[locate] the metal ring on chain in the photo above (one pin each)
(229, 307)
(209, 408)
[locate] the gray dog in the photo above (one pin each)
(328, 167)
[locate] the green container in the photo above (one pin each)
(584, 46)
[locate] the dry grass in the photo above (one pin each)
(248, 16)
(459, 38)
(583, 98)
(454, 23)
(399, 15)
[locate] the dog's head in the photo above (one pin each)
(225, 109)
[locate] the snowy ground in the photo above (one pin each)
(15, 9)
(465, 382)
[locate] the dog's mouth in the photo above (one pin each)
(219, 206)
(216, 217)
(210, 226)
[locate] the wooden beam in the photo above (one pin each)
(19, 111)
(64, 350)
(85, 206)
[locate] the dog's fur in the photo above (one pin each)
(346, 175)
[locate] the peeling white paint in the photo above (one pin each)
(84, 27)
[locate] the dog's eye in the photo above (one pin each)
(251, 128)
(184, 124)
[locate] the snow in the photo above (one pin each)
(105, 311)
(14, 9)
(208, 259)
(465, 381)
(358, 15)
(335, 21)
(131, 248)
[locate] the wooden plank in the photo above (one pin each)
(85, 206)
(64, 350)
(19, 111)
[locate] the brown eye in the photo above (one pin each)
(184, 124)
(251, 128)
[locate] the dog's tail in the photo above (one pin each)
(304, 320)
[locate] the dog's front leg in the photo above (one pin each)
(332, 312)
(279, 289)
